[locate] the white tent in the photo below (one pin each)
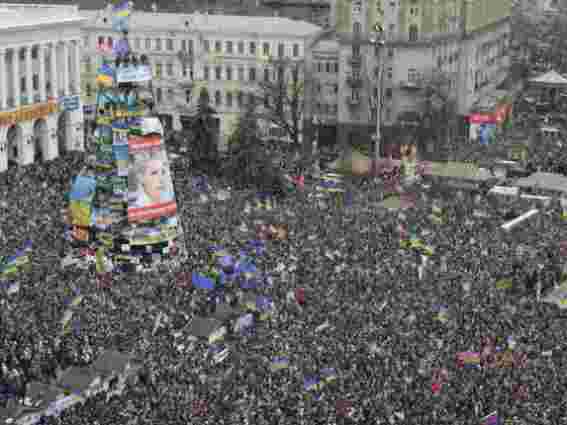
(544, 181)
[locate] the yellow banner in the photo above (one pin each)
(28, 113)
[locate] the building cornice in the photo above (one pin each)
(44, 25)
(206, 33)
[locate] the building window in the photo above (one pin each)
(336, 68)
(388, 93)
(241, 47)
(390, 52)
(413, 33)
(281, 50)
(188, 96)
(229, 99)
(240, 99)
(229, 73)
(218, 73)
(184, 45)
(356, 28)
(241, 73)
(218, 98)
(295, 50)
(252, 48)
(190, 46)
(159, 95)
(169, 67)
(229, 47)
(88, 90)
(266, 49)
(158, 70)
(266, 75)
(252, 74)
(251, 99)
(158, 43)
(148, 44)
(206, 73)
(319, 67)
(218, 46)
(281, 73)
(327, 67)
(207, 45)
(412, 75)
(169, 44)
(35, 81)
(356, 51)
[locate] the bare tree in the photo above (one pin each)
(279, 98)
(439, 109)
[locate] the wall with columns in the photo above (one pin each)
(44, 64)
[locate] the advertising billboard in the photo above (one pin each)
(150, 188)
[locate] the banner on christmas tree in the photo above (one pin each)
(150, 186)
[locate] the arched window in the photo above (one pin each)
(413, 33)
(218, 98)
(356, 28)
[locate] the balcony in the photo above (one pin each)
(354, 81)
(416, 84)
(352, 101)
(355, 60)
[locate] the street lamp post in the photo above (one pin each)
(377, 39)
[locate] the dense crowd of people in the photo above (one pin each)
(368, 310)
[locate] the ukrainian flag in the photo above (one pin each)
(279, 363)
(312, 384)
(121, 9)
(329, 374)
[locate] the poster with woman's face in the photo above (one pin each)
(150, 188)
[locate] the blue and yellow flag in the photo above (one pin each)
(329, 374)
(279, 363)
(121, 9)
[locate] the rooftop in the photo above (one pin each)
(265, 25)
(26, 14)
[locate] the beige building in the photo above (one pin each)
(40, 109)
(228, 55)
(464, 41)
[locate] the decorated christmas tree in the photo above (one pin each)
(122, 208)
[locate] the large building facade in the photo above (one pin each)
(40, 111)
(227, 55)
(464, 42)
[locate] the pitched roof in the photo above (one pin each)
(223, 24)
(551, 77)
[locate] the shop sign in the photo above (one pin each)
(28, 113)
(69, 103)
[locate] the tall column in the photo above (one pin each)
(65, 71)
(77, 66)
(41, 57)
(16, 75)
(53, 71)
(29, 75)
(3, 85)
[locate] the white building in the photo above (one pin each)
(40, 111)
(226, 54)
